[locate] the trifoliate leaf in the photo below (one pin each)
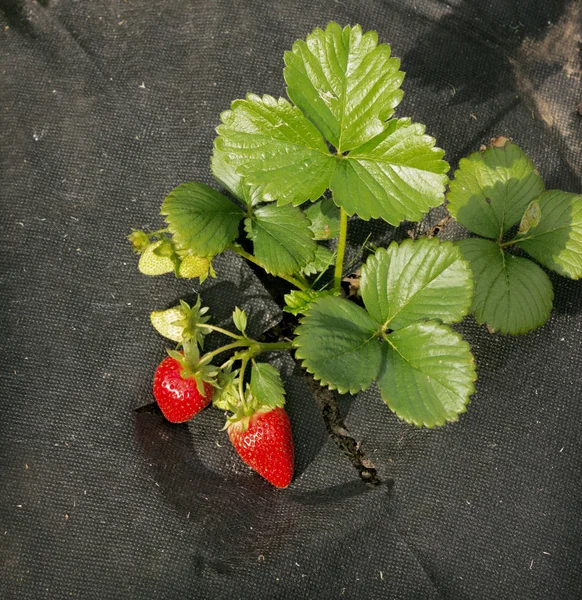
(512, 294)
(407, 282)
(322, 259)
(202, 221)
(492, 189)
(239, 318)
(276, 149)
(170, 323)
(555, 240)
(396, 176)
(266, 385)
(152, 263)
(427, 375)
(325, 219)
(281, 238)
(299, 301)
(344, 82)
(337, 343)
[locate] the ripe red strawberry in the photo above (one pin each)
(265, 444)
(178, 398)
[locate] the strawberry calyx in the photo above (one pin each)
(226, 396)
(140, 240)
(193, 368)
(241, 419)
(181, 323)
(193, 317)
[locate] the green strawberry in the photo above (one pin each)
(194, 266)
(169, 323)
(151, 263)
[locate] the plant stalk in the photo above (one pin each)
(268, 347)
(341, 249)
(254, 348)
(210, 355)
(221, 330)
(292, 280)
(511, 242)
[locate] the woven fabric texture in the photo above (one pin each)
(107, 105)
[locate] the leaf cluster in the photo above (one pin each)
(492, 192)
(292, 171)
(410, 291)
(339, 134)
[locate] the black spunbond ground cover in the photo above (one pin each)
(104, 107)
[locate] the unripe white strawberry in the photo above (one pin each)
(193, 266)
(152, 264)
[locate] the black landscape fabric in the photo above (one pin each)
(106, 105)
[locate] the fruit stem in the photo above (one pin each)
(268, 347)
(221, 330)
(302, 285)
(254, 348)
(241, 379)
(210, 355)
(341, 249)
(510, 242)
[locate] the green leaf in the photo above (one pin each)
(325, 219)
(556, 239)
(344, 82)
(398, 175)
(266, 385)
(202, 221)
(407, 282)
(282, 239)
(276, 149)
(337, 343)
(322, 259)
(492, 189)
(531, 217)
(239, 318)
(512, 294)
(428, 374)
(226, 175)
(299, 301)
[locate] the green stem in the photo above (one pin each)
(210, 355)
(241, 379)
(221, 330)
(341, 249)
(302, 285)
(253, 346)
(268, 347)
(159, 231)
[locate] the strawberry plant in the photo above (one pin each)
(292, 173)
(493, 191)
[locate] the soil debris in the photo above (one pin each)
(338, 432)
